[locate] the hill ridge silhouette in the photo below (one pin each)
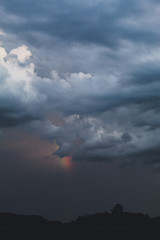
(117, 217)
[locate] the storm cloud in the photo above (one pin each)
(96, 64)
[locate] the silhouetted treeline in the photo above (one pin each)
(117, 218)
(124, 219)
(10, 219)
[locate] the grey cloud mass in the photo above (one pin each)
(95, 62)
(96, 22)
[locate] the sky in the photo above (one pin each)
(79, 106)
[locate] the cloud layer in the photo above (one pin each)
(94, 66)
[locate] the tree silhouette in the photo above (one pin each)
(118, 209)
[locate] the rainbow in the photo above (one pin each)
(66, 162)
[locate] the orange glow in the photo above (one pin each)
(66, 162)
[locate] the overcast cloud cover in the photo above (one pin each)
(96, 63)
(79, 80)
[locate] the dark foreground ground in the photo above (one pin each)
(83, 233)
(115, 225)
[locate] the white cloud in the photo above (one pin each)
(3, 54)
(22, 53)
(2, 33)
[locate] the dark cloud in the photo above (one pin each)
(79, 79)
(96, 63)
(97, 22)
(30, 188)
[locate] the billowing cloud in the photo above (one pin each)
(97, 66)
(22, 53)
